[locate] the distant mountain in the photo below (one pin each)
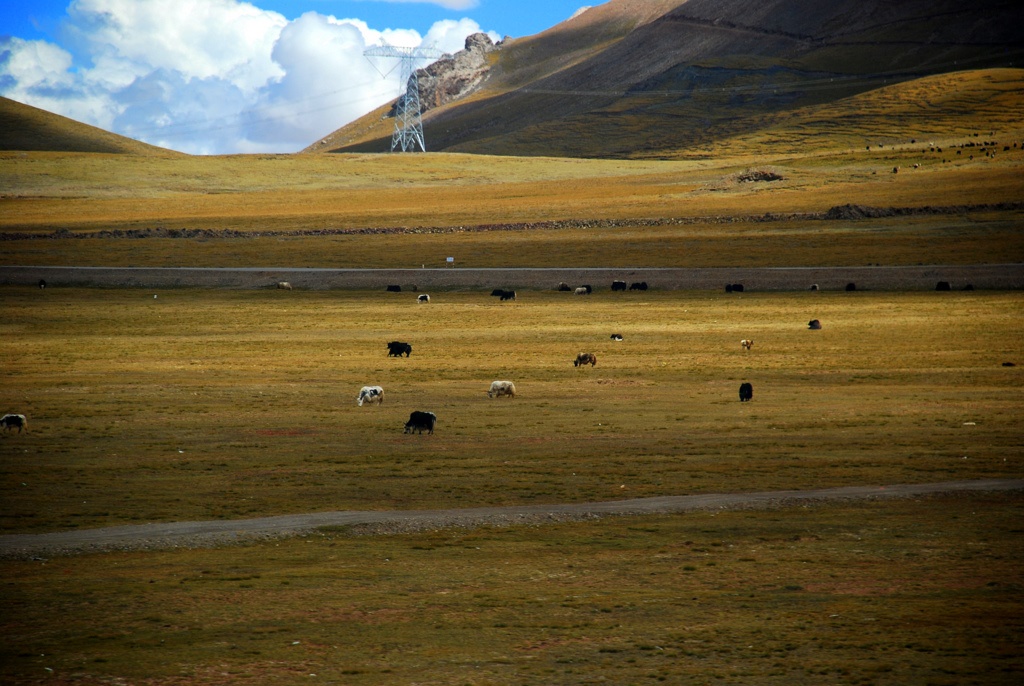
(27, 128)
(663, 77)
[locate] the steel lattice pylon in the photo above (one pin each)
(408, 120)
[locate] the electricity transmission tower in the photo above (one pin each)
(408, 122)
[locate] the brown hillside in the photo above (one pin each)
(27, 128)
(630, 77)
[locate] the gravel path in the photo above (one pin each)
(217, 533)
(912, 278)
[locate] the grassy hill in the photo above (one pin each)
(667, 78)
(828, 148)
(27, 128)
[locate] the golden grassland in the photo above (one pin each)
(879, 593)
(215, 404)
(224, 404)
(935, 111)
(47, 192)
(826, 156)
(229, 404)
(954, 239)
(713, 122)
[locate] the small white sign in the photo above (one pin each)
(450, 261)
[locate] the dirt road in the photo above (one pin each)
(216, 533)
(910, 278)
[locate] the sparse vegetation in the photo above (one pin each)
(204, 404)
(888, 593)
(219, 404)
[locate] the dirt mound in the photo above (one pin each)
(850, 211)
(755, 175)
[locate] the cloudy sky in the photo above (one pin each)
(227, 76)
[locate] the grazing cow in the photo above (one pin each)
(746, 392)
(943, 286)
(423, 298)
(616, 336)
(42, 283)
(734, 288)
(851, 287)
(397, 349)
(9, 421)
(589, 289)
(394, 289)
(638, 286)
(374, 395)
(284, 286)
(501, 388)
(814, 324)
(747, 344)
(507, 295)
(618, 285)
(584, 359)
(969, 287)
(498, 292)
(581, 291)
(418, 421)
(814, 286)
(563, 286)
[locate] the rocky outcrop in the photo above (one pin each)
(453, 76)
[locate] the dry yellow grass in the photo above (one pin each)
(203, 404)
(227, 404)
(47, 192)
(820, 154)
(880, 594)
(220, 404)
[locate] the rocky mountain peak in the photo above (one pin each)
(454, 76)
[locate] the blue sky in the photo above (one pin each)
(227, 76)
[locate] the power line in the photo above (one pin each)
(237, 120)
(408, 113)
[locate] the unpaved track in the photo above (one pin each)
(216, 533)
(884, 278)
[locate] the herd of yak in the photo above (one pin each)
(425, 421)
(420, 421)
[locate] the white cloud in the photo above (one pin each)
(447, 4)
(196, 38)
(449, 36)
(211, 76)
